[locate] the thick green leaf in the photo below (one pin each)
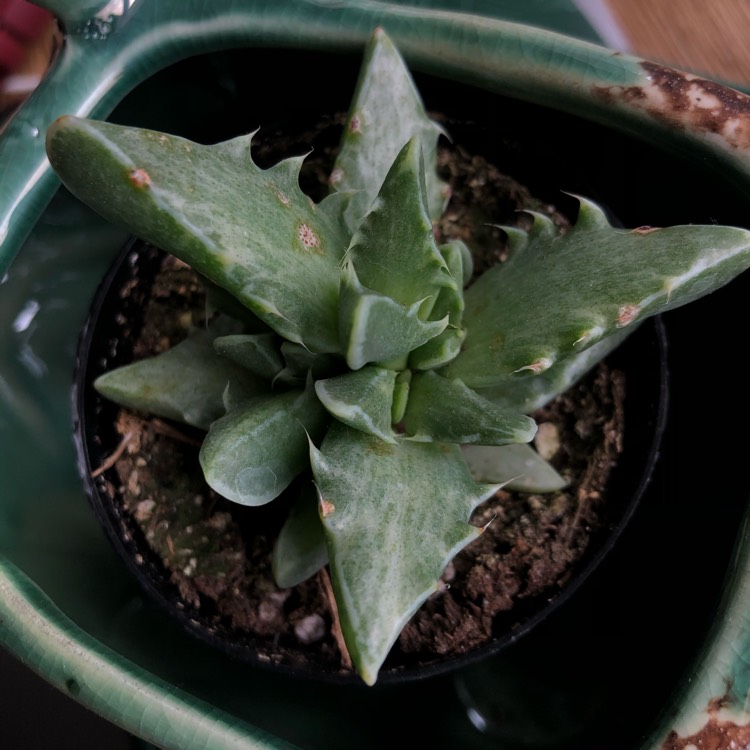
(450, 301)
(362, 399)
(252, 454)
(185, 383)
(439, 350)
(376, 328)
(558, 295)
(387, 545)
(300, 362)
(447, 411)
(394, 272)
(249, 230)
(525, 395)
(458, 258)
(371, 140)
(220, 300)
(400, 396)
(394, 248)
(300, 549)
(519, 466)
(257, 352)
(465, 260)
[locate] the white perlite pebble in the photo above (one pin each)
(310, 629)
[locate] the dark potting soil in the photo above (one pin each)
(217, 554)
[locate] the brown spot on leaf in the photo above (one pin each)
(379, 447)
(497, 342)
(326, 507)
(627, 314)
(139, 178)
(283, 198)
(539, 365)
(688, 102)
(307, 237)
(645, 230)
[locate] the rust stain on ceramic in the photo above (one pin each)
(718, 733)
(687, 102)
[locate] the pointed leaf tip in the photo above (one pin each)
(381, 571)
(569, 291)
(146, 181)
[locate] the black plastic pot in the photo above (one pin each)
(104, 344)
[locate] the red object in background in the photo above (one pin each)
(20, 24)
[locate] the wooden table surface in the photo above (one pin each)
(708, 37)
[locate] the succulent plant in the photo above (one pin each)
(366, 353)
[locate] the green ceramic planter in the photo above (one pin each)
(660, 637)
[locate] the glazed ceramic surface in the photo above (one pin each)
(660, 639)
